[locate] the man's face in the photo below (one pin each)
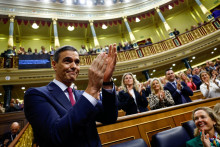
(15, 128)
(67, 68)
(196, 70)
(170, 75)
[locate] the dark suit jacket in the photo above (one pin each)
(128, 105)
(186, 92)
(56, 122)
(197, 81)
(8, 136)
(195, 142)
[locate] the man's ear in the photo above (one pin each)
(54, 65)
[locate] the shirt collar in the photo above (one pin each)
(61, 85)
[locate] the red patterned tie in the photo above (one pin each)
(70, 92)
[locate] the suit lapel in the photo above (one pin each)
(59, 95)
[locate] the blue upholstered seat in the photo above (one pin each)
(133, 143)
(189, 126)
(175, 137)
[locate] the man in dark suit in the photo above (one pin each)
(64, 117)
(196, 78)
(179, 90)
(8, 137)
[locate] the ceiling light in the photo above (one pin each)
(212, 52)
(193, 57)
(137, 19)
(215, 49)
(70, 28)
(154, 70)
(46, 1)
(104, 26)
(68, 2)
(89, 3)
(115, 79)
(170, 7)
(126, 1)
(0, 93)
(22, 88)
(35, 26)
(24, 91)
(108, 2)
(174, 64)
(82, 2)
(151, 74)
(171, 67)
(191, 60)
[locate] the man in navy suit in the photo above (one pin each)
(61, 116)
(196, 78)
(179, 90)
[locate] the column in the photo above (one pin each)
(146, 74)
(56, 39)
(96, 42)
(7, 96)
(11, 31)
(185, 60)
(204, 10)
(129, 30)
(167, 27)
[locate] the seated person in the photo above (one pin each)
(209, 88)
(207, 128)
(119, 47)
(43, 50)
(132, 98)
(8, 137)
(148, 41)
(176, 32)
(126, 46)
(159, 98)
(2, 109)
(83, 50)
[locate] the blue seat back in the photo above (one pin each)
(175, 137)
(189, 126)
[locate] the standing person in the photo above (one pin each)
(159, 98)
(132, 98)
(61, 116)
(188, 81)
(8, 137)
(207, 128)
(179, 90)
(209, 88)
(196, 78)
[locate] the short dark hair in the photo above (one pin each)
(167, 71)
(56, 55)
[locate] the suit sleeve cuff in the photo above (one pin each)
(90, 98)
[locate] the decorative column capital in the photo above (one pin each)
(91, 21)
(54, 20)
(12, 17)
(125, 18)
(157, 9)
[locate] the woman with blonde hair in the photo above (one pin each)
(132, 98)
(159, 98)
(210, 87)
(188, 81)
(207, 128)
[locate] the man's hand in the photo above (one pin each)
(101, 70)
(96, 75)
(112, 56)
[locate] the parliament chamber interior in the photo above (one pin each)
(152, 37)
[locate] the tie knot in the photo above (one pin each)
(70, 90)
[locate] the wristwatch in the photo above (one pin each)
(108, 83)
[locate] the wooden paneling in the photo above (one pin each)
(149, 123)
(6, 119)
(120, 135)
